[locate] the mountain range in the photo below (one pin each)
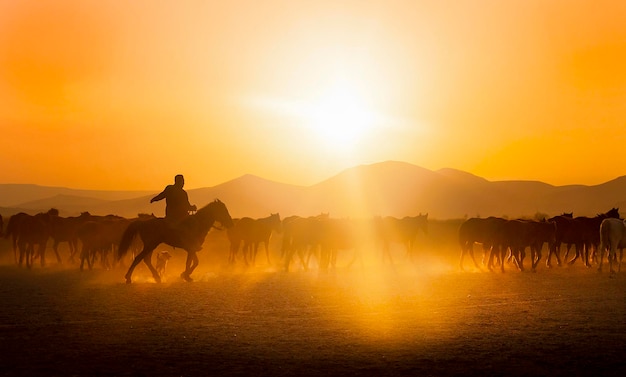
(388, 188)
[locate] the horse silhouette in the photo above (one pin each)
(251, 232)
(612, 237)
(155, 231)
(302, 236)
(485, 231)
(390, 229)
(29, 232)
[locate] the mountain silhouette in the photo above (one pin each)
(390, 188)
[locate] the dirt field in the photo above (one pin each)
(370, 320)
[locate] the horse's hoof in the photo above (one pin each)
(128, 281)
(186, 277)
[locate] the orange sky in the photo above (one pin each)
(123, 95)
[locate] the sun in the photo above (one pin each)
(340, 117)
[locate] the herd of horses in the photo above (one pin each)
(110, 238)
(504, 239)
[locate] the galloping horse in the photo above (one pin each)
(252, 232)
(390, 229)
(155, 231)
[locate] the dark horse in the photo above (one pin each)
(252, 232)
(158, 230)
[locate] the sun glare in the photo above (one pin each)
(340, 118)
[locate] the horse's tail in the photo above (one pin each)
(127, 238)
(605, 235)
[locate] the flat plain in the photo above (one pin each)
(427, 319)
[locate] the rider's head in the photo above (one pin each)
(179, 180)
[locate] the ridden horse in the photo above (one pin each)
(612, 237)
(155, 231)
(485, 231)
(251, 232)
(390, 229)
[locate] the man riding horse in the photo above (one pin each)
(177, 208)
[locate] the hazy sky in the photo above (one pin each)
(126, 94)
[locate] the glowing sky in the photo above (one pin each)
(125, 94)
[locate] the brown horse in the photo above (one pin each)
(64, 229)
(155, 231)
(485, 231)
(590, 234)
(390, 229)
(33, 231)
(302, 236)
(252, 232)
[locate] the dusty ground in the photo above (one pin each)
(374, 321)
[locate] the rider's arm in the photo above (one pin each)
(161, 196)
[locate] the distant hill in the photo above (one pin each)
(389, 188)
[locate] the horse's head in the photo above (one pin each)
(422, 222)
(220, 213)
(276, 223)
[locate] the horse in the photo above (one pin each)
(155, 231)
(569, 232)
(612, 237)
(252, 232)
(13, 229)
(390, 229)
(340, 234)
(100, 235)
(518, 235)
(301, 235)
(64, 229)
(589, 228)
(34, 230)
(485, 231)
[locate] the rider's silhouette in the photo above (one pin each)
(177, 208)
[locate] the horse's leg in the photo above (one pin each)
(83, 256)
(576, 254)
(267, 251)
(288, 254)
(471, 253)
(584, 254)
(602, 249)
(234, 247)
(55, 247)
(138, 258)
(41, 250)
(190, 264)
(537, 256)
(147, 259)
